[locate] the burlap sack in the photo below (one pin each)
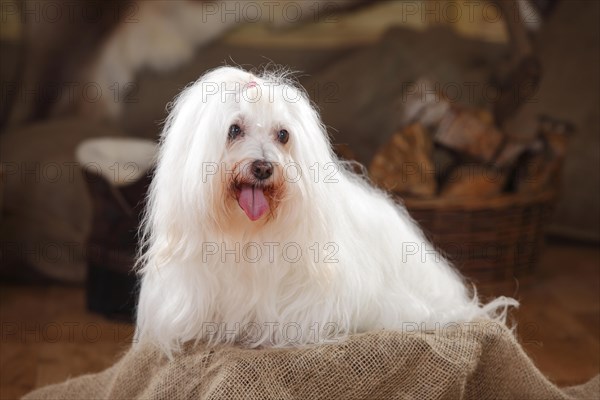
(481, 361)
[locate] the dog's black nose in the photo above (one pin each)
(262, 169)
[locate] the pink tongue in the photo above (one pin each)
(253, 202)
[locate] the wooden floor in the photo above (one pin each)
(48, 336)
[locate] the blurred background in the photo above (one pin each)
(481, 116)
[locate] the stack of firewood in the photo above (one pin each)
(450, 151)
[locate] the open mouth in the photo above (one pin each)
(252, 200)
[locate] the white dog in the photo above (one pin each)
(255, 234)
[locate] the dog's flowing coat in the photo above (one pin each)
(331, 256)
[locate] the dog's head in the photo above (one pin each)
(239, 151)
(259, 129)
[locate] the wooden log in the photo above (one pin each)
(404, 164)
(510, 153)
(474, 181)
(467, 132)
(540, 168)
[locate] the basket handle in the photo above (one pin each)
(522, 80)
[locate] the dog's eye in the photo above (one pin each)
(234, 131)
(283, 136)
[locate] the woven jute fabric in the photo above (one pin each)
(481, 361)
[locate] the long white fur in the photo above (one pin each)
(387, 274)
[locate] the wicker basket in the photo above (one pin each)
(495, 242)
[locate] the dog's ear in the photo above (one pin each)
(178, 194)
(310, 140)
